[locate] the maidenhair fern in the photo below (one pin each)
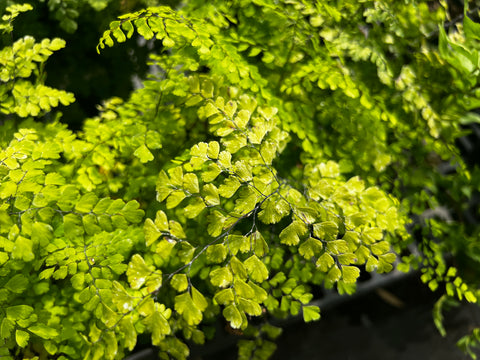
(265, 155)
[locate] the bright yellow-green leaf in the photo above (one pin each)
(310, 313)
(233, 316)
(256, 269)
(292, 233)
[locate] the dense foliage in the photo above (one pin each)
(274, 148)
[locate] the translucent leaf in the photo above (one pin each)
(273, 210)
(380, 248)
(246, 202)
(190, 183)
(19, 312)
(210, 193)
(325, 262)
(260, 246)
(23, 249)
(198, 299)
(224, 297)
(257, 133)
(17, 284)
(213, 149)
(256, 269)
(238, 268)
(233, 316)
(250, 307)
(175, 198)
(161, 221)
(334, 274)
(159, 327)
(6, 328)
(86, 203)
(137, 272)
(185, 306)
(216, 253)
(78, 280)
(337, 247)
(371, 264)
(43, 331)
(236, 243)
(291, 234)
(152, 233)
(143, 28)
(310, 248)
(327, 230)
(350, 274)
(243, 289)
(229, 187)
(21, 337)
(179, 282)
(176, 229)
(211, 173)
(221, 277)
(224, 159)
(194, 208)
(310, 313)
(54, 179)
(242, 118)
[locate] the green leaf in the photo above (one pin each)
(246, 202)
(292, 233)
(137, 272)
(190, 183)
(249, 307)
(310, 313)
(224, 297)
(210, 193)
(73, 226)
(17, 284)
(186, 307)
(213, 149)
(6, 328)
(216, 253)
(198, 299)
(159, 326)
(194, 208)
(327, 230)
(143, 28)
(221, 277)
(350, 274)
(337, 247)
(21, 337)
(334, 274)
(161, 221)
(256, 269)
(211, 173)
(54, 179)
(175, 198)
(229, 187)
(233, 316)
(238, 268)
(179, 282)
(310, 248)
(23, 249)
(238, 243)
(216, 221)
(274, 210)
(86, 203)
(380, 248)
(43, 331)
(243, 289)
(152, 233)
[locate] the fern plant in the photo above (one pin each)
(263, 157)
